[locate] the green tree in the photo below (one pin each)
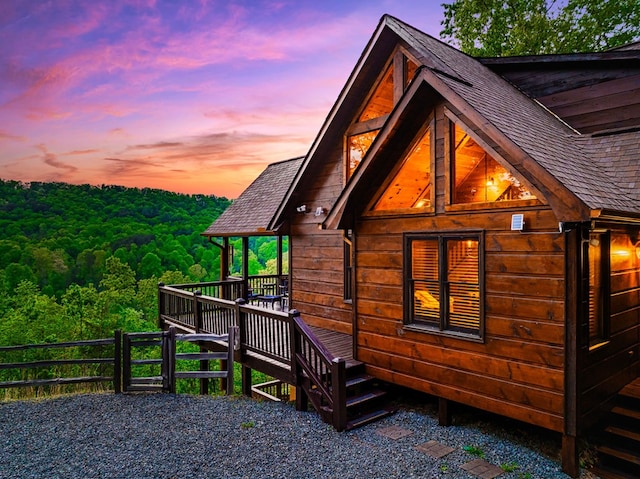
(530, 27)
(151, 265)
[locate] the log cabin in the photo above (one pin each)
(472, 225)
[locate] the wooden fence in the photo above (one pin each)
(166, 358)
(112, 362)
(122, 362)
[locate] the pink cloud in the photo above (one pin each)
(52, 160)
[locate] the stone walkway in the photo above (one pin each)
(477, 467)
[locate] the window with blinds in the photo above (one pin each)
(444, 283)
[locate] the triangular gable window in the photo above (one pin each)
(377, 108)
(381, 102)
(411, 184)
(478, 177)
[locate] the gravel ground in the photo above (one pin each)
(180, 436)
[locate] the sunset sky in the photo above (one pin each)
(186, 96)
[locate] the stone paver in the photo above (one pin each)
(435, 449)
(482, 469)
(394, 432)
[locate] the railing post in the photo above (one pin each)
(117, 361)
(197, 311)
(231, 342)
(339, 393)
(161, 306)
(302, 400)
(242, 332)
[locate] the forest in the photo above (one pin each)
(78, 261)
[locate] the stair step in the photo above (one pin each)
(359, 380)
(626, 456)
(626, 412)
(369, 418)
(625, 433)
(365, 397)
(604, 472)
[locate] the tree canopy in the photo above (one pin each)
(492, 28)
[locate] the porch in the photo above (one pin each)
(276, 342)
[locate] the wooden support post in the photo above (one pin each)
(246, 381)
(117, 361)
(444, 414)
(231, 341)
(204, 366)
(570, 459)
(197, 311)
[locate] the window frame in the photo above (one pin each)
(442, 329)
(427, 128)
(451, 120)
(603, 288)
(347, 256)
(399, 61)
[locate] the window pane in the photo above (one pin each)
(381, 102)
(462, 284)
(478, 178)
(425, 281)
(411, 69)
(411, 186)
(358, 145)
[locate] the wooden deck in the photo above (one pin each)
(265, 331)
(340, 344)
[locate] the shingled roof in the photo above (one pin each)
(251, 213)
(600, 173)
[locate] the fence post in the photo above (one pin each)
(126, 362)
(204, 366)
(117, 361)
(169, 360)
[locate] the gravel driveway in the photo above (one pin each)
(180, 436)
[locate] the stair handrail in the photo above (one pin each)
(324, 371)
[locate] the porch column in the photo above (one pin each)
(279, 257)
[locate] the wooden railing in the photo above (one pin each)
(113, 362)
(262, 331)
(320, 375)
(277, 343)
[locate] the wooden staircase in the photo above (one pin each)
(365, 399)
(618, 440)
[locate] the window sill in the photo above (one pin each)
(421, 328)
(465, 207)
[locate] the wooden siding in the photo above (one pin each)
(518, 370)
(317, 288)
(588, 99)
